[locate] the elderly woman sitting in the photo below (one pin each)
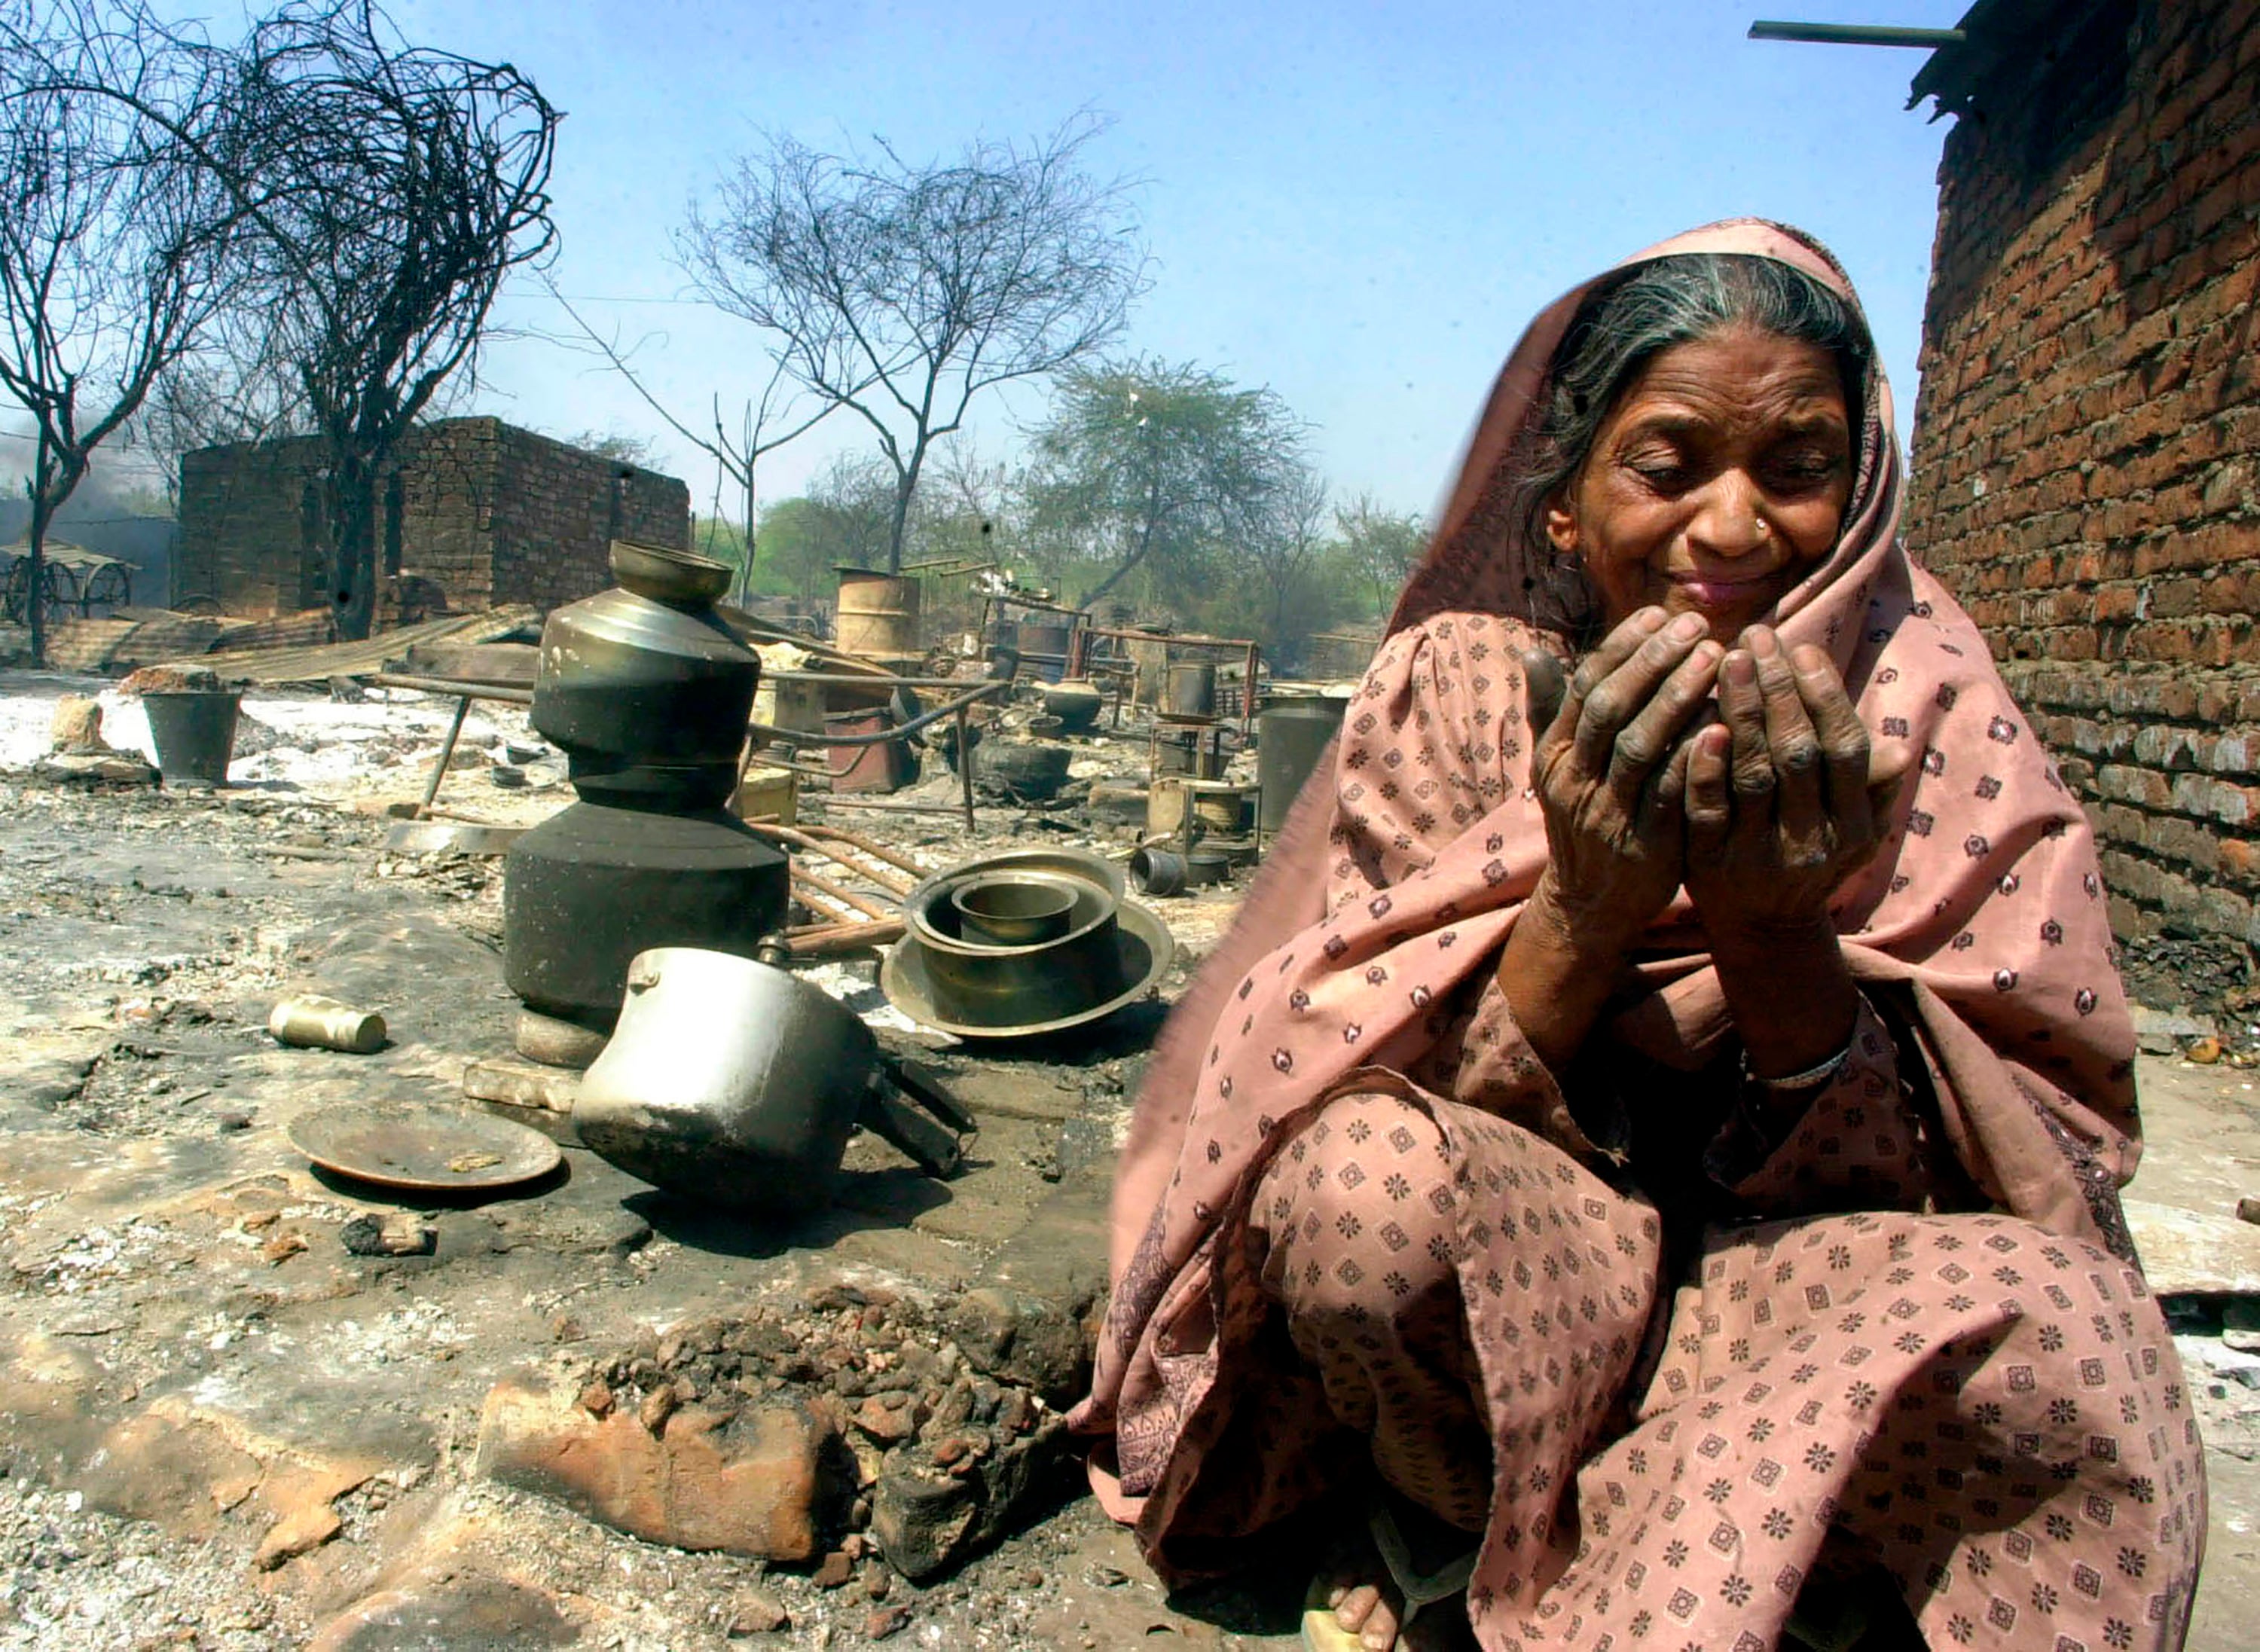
(1656, 1128)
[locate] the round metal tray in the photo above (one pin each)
(423, 1147)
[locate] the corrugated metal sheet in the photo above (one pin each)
(331, 660)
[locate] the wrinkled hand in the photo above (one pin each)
(1783, 799)
(1610, 768)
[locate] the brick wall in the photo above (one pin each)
(558, 509)
(246, 537)
(2087, 441)
(490, 513)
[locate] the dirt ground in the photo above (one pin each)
(194, 1367)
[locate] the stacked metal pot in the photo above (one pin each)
(648, 694)
(1034, 941)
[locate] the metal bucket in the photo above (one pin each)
(878, 614)
(1190, 694)
(888, 765)
(194, 734)
(1043, 647)
(1292, 733)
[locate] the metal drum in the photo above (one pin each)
(1292, 733)
(878, 614)
(1190, 694)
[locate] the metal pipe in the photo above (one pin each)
(825, 887)
(1858, 34)
(875, 851)
(449, 685)
(795, 737)
(849, 679)
(446, 755)
(815, 846)
(965, 765)
(818, 943)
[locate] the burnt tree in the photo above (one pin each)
(390, 191)
(114, 236)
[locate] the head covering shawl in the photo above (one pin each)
(1982, 919)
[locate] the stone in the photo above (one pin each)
(455, 1608)
(2248, 1209)
(76, 726)
(303, 1530)
(2191, 1255)
(889, 1424)
(766, 1482)
(920, 1519)
(887, 1620)
(754, 1612)
(1021, 1338)
(2162, 1032)
(522, 1084)
(2240, 1325)
(396, 1234)
(837, 1569)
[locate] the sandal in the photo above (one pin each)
(1417, 1591)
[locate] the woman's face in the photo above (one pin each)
(1719, 478)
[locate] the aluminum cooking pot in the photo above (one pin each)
(731, 1081)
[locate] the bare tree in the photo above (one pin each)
(392, 189)
(113, 235)
(767, 424)
(903, 292)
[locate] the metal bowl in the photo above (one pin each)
(979, 980)
(920, 982)
(666, 574)
(1075, 863)
(1011, 910)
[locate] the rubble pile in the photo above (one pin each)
(917, 1432)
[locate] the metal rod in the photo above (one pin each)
(849, 679)
(819, 943)
(886, 881)
(1858, 34)
(875, 851)
(449, 685)
(446, 754)
(887, 805)
(805, 737)
(825, 887)
(965, 765)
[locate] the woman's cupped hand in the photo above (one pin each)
(1760, 801)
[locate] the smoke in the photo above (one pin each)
(121, 480)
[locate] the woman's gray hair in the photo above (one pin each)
(1621, 326)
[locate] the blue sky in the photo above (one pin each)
(1358, 205)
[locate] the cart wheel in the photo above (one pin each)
(61, 598)
(108, 587)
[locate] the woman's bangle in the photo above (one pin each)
(1811, 1079)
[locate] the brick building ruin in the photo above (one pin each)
(2087, 438)
(488, 513)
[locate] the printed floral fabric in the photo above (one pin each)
(1987, 1117)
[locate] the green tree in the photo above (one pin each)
(1147, 467)
(1380, 547)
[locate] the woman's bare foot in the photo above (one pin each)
(1372, 1612)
